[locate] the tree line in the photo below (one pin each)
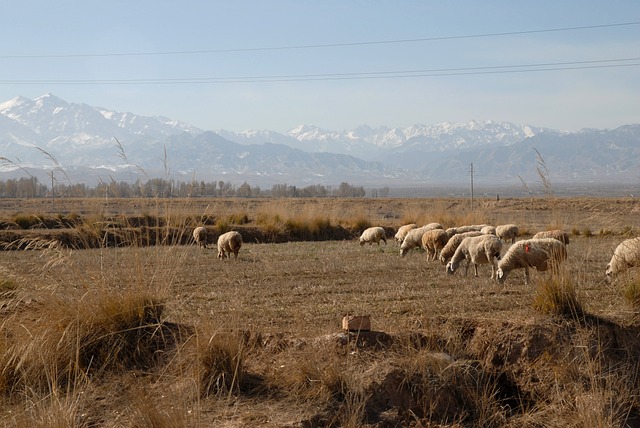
(161, 188)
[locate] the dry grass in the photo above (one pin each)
(167, 335)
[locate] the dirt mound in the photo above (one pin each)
(482, 373)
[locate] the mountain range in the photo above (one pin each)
(94, 143)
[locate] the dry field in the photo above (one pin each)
(167, 335)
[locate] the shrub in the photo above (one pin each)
(223, 367)
(100, 331)
(27, 221)
(361, 224)
(556, 295)
(631, 293)
(238, 218)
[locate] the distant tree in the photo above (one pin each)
(244, 191)
(345, 190)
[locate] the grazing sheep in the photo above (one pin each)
(480, 249)
(414, 237)
(402, 232)
(433, 241)
(560, 235)
(464, 229)
(488, 230)
(543, 253)
(452, 245)
(228, 243)
(200, 236)
(432, 226)
(507, 231)
(625, 256)
(373, 234)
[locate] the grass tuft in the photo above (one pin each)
(74, 338)
(631, 293)
(556, 295)
(222, 364)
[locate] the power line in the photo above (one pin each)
(322, 45)
(401, 74)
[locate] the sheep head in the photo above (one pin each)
(609, 272)
(450, 268)
(501, 275)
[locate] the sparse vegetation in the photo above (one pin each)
(556, 295)
(111, 319)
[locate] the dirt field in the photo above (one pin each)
(511, 363)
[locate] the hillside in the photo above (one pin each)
(95, 144)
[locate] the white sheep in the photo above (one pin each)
(558, 234)
(200, 236)
(625, 256)
(228, 243)
(414, 237)
(507, 232)
(480, 249)
(464, 229)
(433, 241)
(543, 253)
(452, 245)
(488, 230)
(402, 232)
(432, 226)
(373, 234)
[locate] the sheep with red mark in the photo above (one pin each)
(542, 254)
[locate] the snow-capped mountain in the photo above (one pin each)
(48, 132)
(379, 143)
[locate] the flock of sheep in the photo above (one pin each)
(475, 244)
(483, 244)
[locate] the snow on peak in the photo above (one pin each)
(13, 103)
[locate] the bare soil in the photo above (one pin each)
(441, 345)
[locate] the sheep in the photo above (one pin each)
(402, 232)
(414, 237)
(452, 245)
(625, 256)
(480, 249)
(432, 226)
(507, 231)
(433, 241)
(373, 234)
(560, 235)
(200, 236)
(464, 229)
(488, 230)
(228, 243)
(540, 253)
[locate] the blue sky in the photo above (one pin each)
(142, 56)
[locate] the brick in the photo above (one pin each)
(356, 323)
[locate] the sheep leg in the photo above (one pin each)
(526, 275)
(475, 267)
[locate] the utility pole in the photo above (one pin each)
(471, 174)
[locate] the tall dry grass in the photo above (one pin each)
(165, 351)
